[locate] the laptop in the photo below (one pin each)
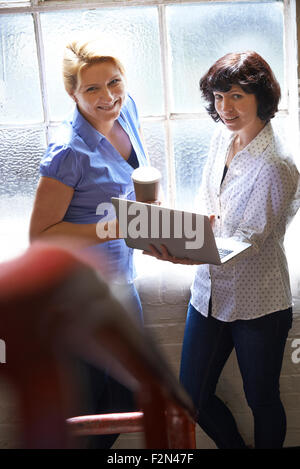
(185, 234)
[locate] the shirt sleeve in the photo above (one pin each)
(270, 203)
(61, 163)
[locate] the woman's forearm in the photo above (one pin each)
(80, 235)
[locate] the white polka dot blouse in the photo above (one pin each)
(255, 202)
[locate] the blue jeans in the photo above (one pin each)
(259, 345)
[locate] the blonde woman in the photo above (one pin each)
(93, 162)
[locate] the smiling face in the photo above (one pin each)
(100, 93)
(237, 109)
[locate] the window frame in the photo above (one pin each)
(35, 7)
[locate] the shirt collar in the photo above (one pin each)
(260, 143)
(85, 130)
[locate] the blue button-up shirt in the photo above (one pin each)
(85, 160)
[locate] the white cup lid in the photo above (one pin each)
(146, 174)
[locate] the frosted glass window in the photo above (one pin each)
(200, 34)
(130, 33)
(20, 94)
(20, 155)
(154, 136)
(197, 34)
(191, 143)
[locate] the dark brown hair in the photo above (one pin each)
(252, 73)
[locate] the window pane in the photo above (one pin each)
(200, 34)
(19, 76)
(191, 143)
(130, 33)
(154, 135)
(20, 154)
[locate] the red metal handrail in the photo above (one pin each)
(43, 295)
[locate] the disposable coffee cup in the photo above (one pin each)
(146, 180)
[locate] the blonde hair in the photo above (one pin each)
(80, 54)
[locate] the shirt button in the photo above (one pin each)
(219, 216)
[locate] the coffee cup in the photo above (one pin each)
(146, 180)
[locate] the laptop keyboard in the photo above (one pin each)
(224, 252)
